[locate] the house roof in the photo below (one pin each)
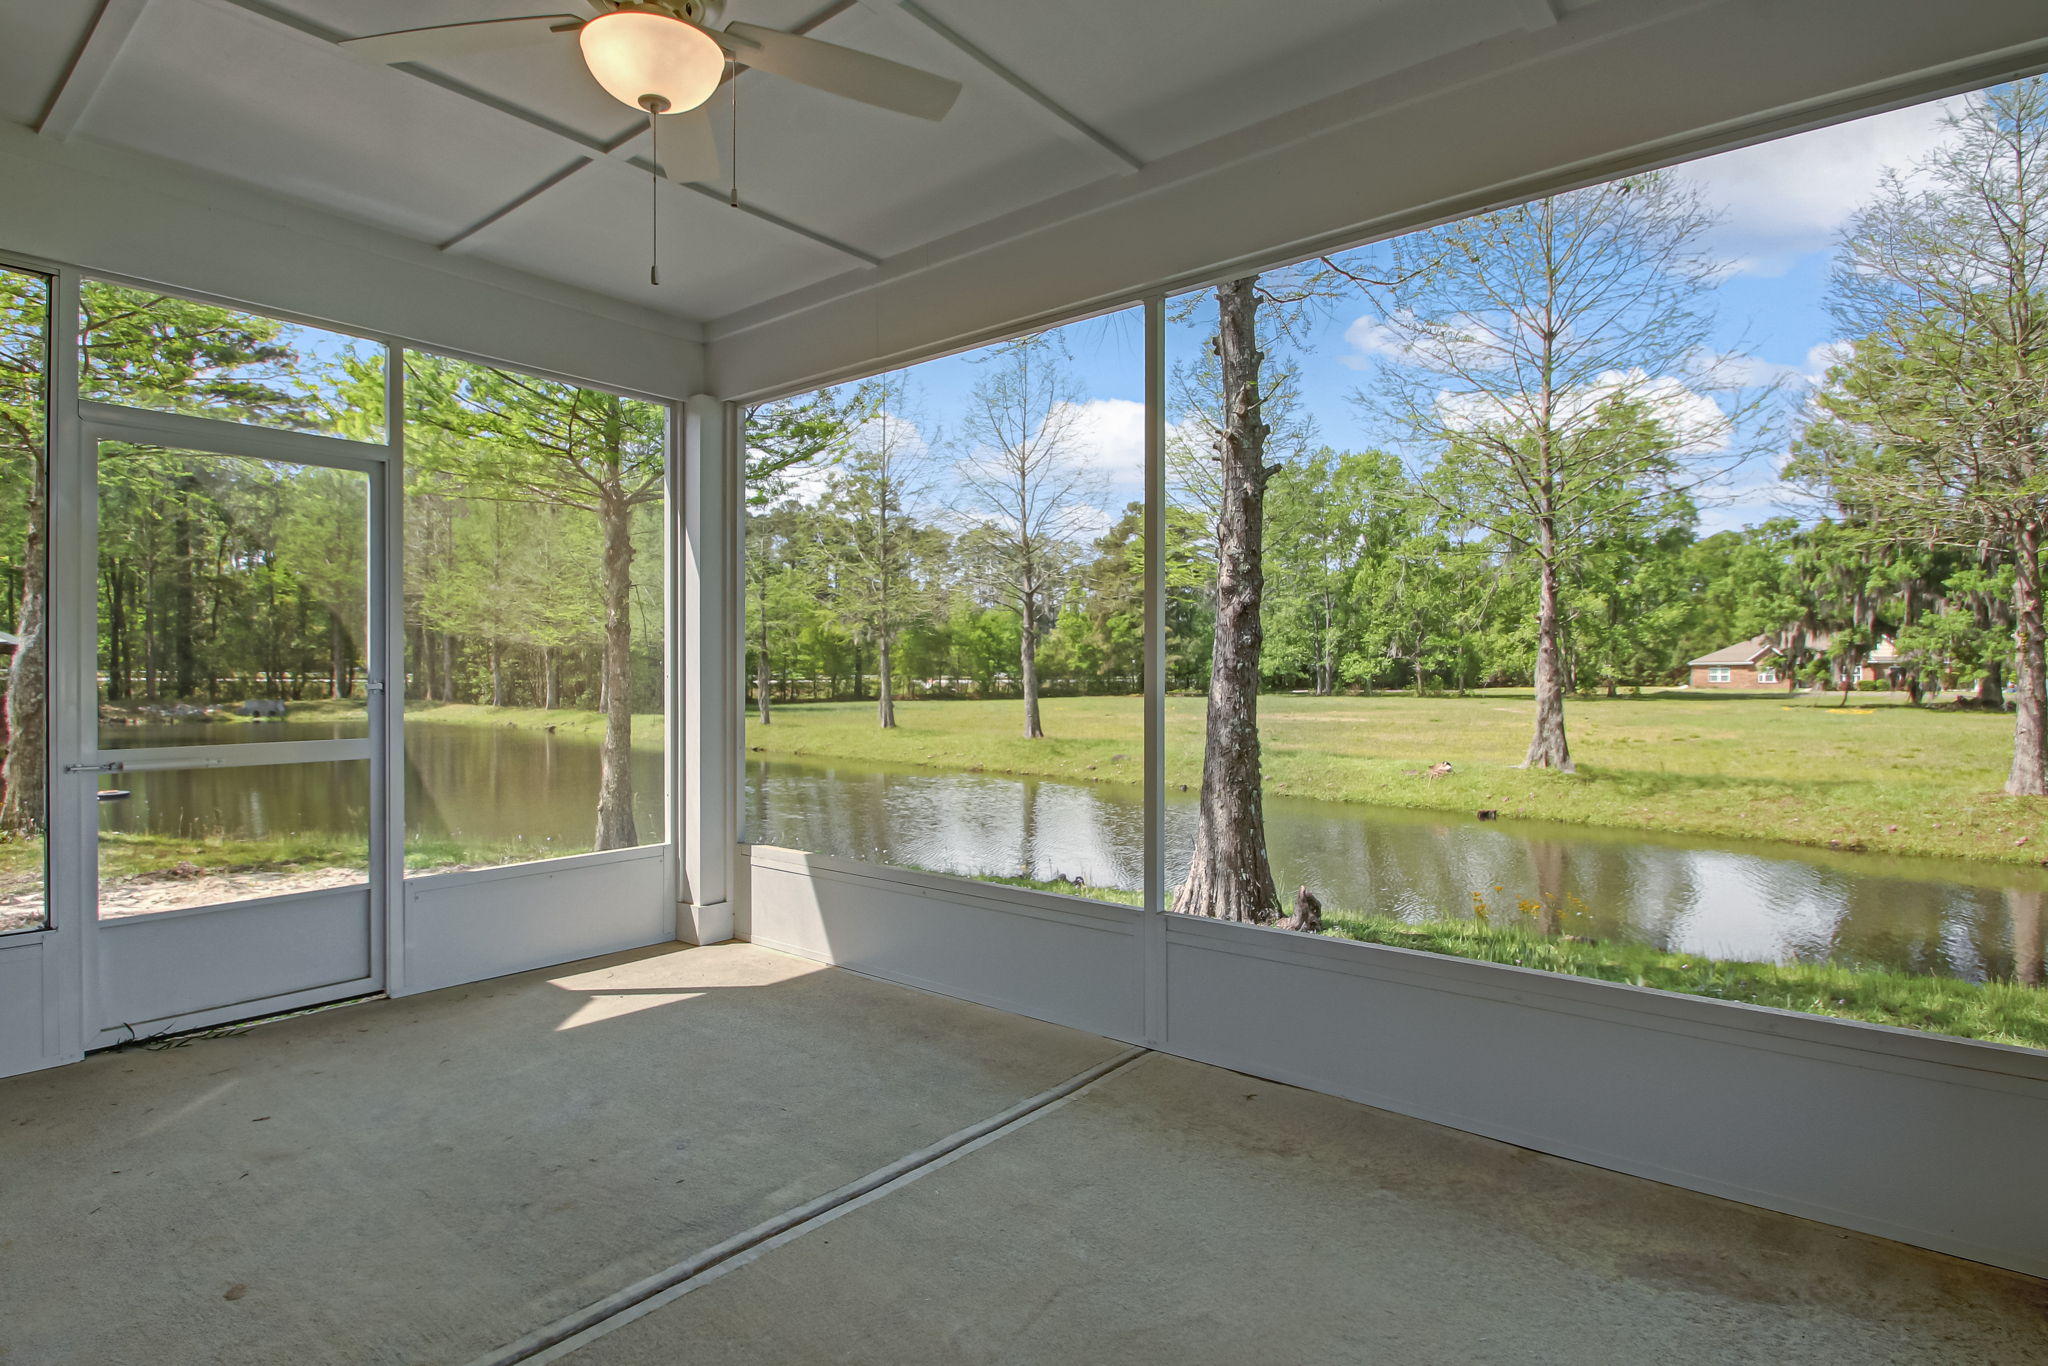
(1747, 652)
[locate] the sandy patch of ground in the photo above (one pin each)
(175, 891)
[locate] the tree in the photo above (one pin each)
(136, 347)
(24, 310)
(498, 435)
(1943, 281)
(1229, 876)
(785, 439)
(1550, 358)
(875, 546)
(1024, 481)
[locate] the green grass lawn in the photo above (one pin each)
(1878, 775)
(1999, 1012)
(573, 723)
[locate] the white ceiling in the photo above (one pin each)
(499, 169)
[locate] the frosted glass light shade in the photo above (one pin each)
(635, 54)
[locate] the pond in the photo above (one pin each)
(506, 792)
(485, 787)
(1756, 901)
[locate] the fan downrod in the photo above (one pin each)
(702, 13)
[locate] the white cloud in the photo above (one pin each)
(1694, 418)
(1109, 437)
(1735, 370)
(1820, 357)
(1369, 336)
(1783, 199)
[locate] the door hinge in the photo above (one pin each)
(375, 687)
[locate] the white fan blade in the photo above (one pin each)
(458, 40)
(689, 147)
(842, 71)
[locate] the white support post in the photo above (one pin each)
(1153, 930)
(709, 783)
(387, 681)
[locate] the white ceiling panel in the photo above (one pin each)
(592, 231)
(885, 181)
(1159, 82)
(547, 78)
(486, 152)
(36, 47)
(237, 94)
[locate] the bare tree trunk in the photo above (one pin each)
(2029, 911)
(447, 667)
(764, 673)
(2029, 776)
(497, 672)
(615, 828)
(1547, 748)
(1991, 687)
(1549, 859)
(551, 673)
(117, 624)
(423, 653)
(22, 773)
(1027, 652)
(1230, 877)
(184, 597)
(337, 662)
(885, 692)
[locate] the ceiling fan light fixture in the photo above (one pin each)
(651, 60)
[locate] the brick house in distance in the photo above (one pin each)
(1759, 663)
(1752, 663)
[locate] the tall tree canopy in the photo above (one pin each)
(489, 434)
(1941, 409)
(1552, 359)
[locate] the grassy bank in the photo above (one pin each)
(1876, 776)
(570, 723)
(1999, 1012)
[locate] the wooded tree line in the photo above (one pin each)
(533, 527)
(1370, 587)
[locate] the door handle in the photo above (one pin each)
(140, 766)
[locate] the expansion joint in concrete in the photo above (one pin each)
(573, 1331)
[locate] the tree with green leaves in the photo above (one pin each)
(1942, 280)
(877, 548)
(1024, 481)
(1553, 360)
(150, 350)
(786, 439)
(497, 435)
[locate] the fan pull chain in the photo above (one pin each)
(653, 104)
(654, 202)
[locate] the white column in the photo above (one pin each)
(708, 788)
(1157, 894)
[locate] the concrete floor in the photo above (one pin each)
(427, 1180)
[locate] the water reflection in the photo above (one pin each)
(481, 787)
(1759, 901)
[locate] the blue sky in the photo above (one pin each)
(1781, 205)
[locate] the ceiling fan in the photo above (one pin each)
(669, 58)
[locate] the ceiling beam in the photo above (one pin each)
(588, 150)
(1088, 132)
(116, 20)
